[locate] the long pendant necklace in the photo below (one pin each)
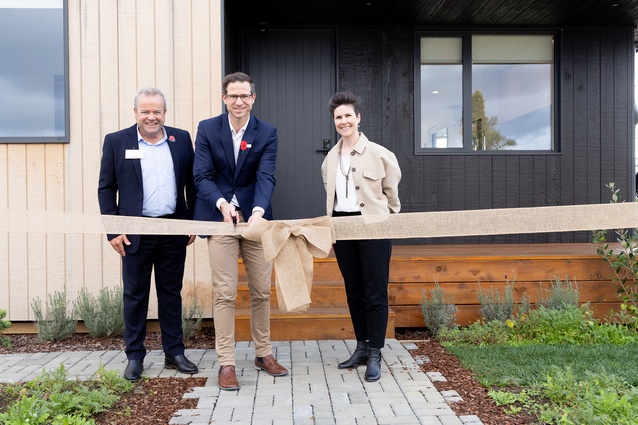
(346, 175)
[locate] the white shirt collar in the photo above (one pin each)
(139, 136)
(241, 130)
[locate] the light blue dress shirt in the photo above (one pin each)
(158, 177)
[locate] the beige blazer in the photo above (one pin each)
(375, 174)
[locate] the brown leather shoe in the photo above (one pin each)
(270, 366)
(226, 378)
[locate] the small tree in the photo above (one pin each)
(623, 263)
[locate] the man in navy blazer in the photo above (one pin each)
(146, 171)
(234, 168)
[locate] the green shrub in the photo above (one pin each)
(103, 316)
(54, 398)
(572, 325)
(55, 322)
(439, 311)
(4, 324)
(590, 399)
(563, 398)
(496, 305)
(569, 325)
(192, 319)
(479, 333)
(559, 296)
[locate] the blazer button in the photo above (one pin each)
(354, 169)
(356, 187)
(362, 205)
(352, 153)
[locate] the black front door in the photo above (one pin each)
(294, 73)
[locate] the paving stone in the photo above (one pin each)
(470, 420)
(410, 346)
(421, 360)
(436, 377)
(451, 396)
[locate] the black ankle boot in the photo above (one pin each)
(359, 357)
(373, 372)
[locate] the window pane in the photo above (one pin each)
(441, 106)
(512, 107)
(441, 50)
(32, 80)
(441, 92)
(512, 49)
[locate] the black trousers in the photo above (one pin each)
(365, 267)
(167, 256)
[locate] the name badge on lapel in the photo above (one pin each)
(133, 154)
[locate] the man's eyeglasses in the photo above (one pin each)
(243, 97)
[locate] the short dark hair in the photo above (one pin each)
(237, 77)
(344, 98)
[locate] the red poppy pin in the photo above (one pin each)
(244, 145)
(171, 138)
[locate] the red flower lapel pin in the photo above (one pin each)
(171, 138)
(244, 145)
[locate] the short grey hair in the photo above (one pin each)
(149, 91)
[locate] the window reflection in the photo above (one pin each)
(441, 111)
(509, 82)
(513, 104)
(32, 71)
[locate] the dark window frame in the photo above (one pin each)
(67, 121)
(466, 36)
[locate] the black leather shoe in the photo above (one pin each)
(133, 371)
(181, 363)
(359, 357)
(373, 372)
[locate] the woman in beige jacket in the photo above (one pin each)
(361, 178)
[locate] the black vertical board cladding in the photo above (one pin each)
(594, 136)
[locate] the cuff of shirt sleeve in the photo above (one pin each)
(260, 209)
(219, 202)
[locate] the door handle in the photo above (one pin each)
(325, 147)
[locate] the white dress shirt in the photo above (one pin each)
(158, 177)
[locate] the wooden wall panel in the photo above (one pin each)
(85, 250)
(127, 46)
(589, 188)
(55, 194)
(18, 254)
(36, 250)
(115, 48)
(116, 111)
(4, 237)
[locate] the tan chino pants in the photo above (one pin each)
(224, 252)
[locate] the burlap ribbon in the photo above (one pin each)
(291, 244)
(291, 249)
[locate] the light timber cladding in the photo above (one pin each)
(115, 48)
